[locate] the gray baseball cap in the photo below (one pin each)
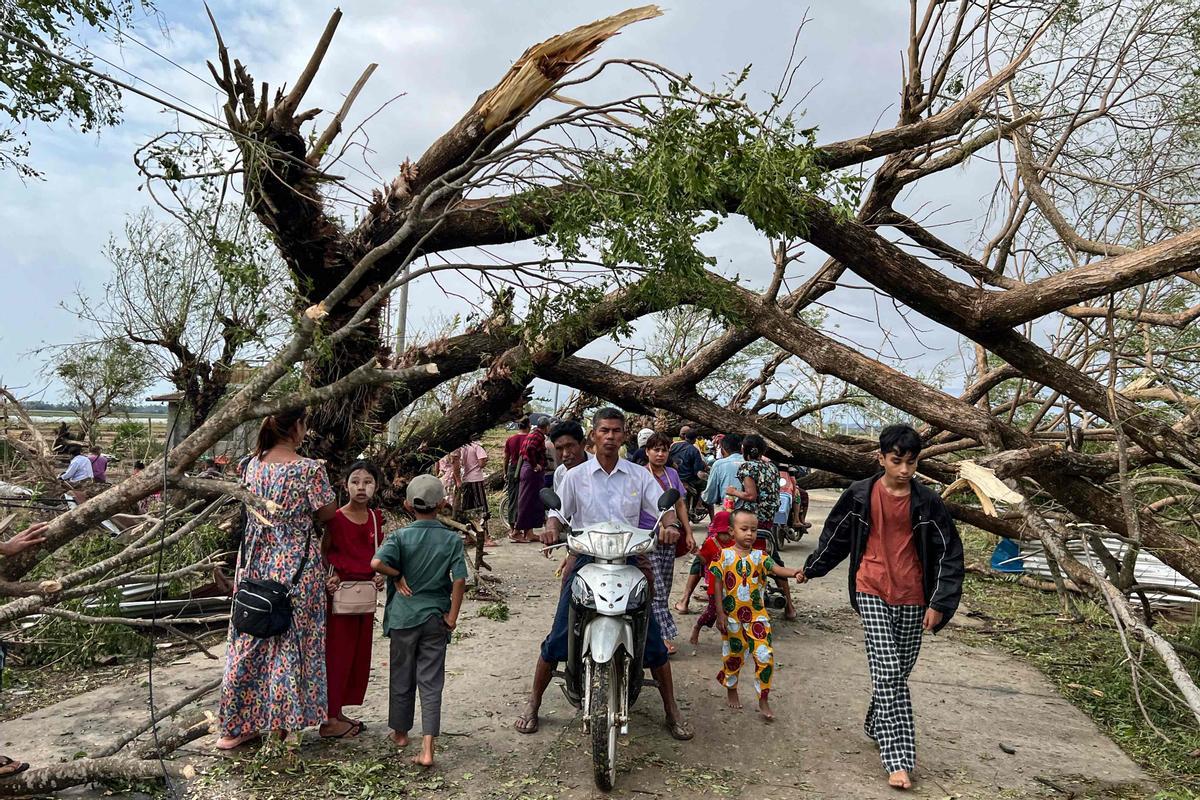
(425, 492)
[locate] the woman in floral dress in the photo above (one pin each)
(278, 685)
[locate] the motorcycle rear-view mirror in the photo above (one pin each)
(550, 499)
(669, 498)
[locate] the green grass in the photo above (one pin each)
(1088, 665)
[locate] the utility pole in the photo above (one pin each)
(398, 345)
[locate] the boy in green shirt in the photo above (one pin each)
(422, 613)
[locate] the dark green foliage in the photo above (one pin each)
(37, 88)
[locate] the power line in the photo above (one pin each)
(136, 77)
(125, 35)
(165, 103)
(118, 32)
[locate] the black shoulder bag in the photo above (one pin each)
(262, 607)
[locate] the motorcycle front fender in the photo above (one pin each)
(603, 635)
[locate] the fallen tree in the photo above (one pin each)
(1076, 304)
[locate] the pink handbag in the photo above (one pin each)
(356, 597)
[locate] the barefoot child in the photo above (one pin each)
(718, 539)
(427, 558)
(741, 578)
(906, 570)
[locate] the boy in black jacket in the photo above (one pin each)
(906, 568)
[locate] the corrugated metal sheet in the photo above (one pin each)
(1147, 570)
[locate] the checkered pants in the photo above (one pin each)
(662, 560)
(893, 637)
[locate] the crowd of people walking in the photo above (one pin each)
(310, 570)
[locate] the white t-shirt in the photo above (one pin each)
(80, 469)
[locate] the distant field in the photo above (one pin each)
(52, 415)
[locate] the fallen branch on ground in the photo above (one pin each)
(37, 782)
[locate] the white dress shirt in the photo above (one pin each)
(591, 496)
(560, 472)
(80, 469)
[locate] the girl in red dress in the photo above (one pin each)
(352, 537)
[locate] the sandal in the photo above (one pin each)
(362, 726)
(687, 609)
(680, 730)
(527, 723)
(10, 767)
(234, 742)
(352, 730)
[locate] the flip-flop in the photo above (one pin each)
(680, 730)
(10, 767)
(530, 723)
(685, 611)
(354, 730)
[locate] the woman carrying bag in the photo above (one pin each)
(351, 539)
(662, 558)
(276, 682)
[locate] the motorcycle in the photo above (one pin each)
(609, 614)
(697, 509)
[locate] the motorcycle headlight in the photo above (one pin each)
(581, 593)
(607, 546)
(637, 598)
(644, 546)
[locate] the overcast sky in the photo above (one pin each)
(441, 55)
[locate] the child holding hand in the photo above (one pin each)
(741, 576)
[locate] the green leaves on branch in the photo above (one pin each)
(698, 158)
(38, 88)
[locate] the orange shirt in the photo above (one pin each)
(890, 568)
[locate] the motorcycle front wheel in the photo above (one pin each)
(603, 723)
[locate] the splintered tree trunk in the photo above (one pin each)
(341, 430)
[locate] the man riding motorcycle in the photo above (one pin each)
(599, 490)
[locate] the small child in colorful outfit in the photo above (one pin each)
(718, 539)
(741, 578)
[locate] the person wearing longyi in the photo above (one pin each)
(351, 539)
(260, 692)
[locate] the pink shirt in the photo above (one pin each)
(474, 457)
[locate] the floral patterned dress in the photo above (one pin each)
(278, 684)
(748, 625)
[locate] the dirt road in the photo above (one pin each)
(969, 701)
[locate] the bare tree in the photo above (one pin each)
(197, 296)
(1076, 298)
(99, 377)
